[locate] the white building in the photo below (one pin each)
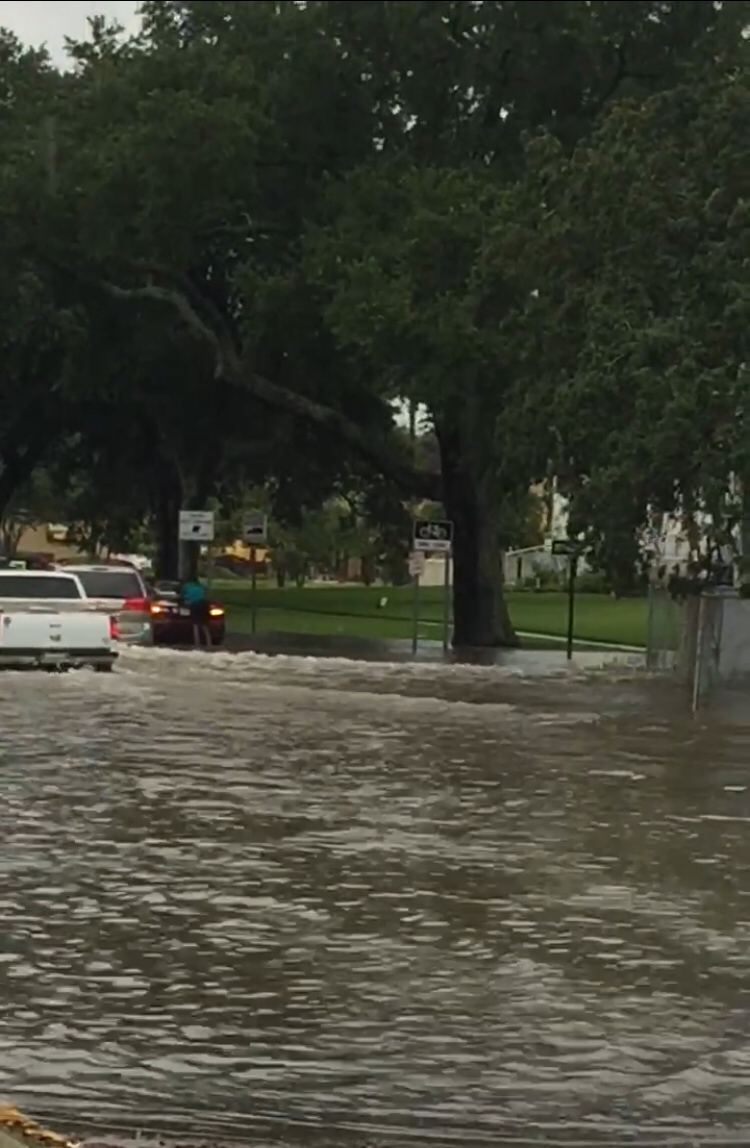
(668, 539)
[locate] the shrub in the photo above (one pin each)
(592, 582)
(547, 578)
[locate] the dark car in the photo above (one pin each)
(171, 620)
(27, 562)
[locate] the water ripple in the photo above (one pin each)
(304, 896)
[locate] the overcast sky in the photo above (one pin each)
(48, 22)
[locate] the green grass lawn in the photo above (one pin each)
(353, 611)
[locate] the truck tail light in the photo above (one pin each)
(137, 605)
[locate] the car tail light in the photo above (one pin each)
(114, 629)
(137, 605)
(216, 612)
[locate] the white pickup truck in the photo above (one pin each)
(46, 622)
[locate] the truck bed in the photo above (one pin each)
(36, 636)
(20, 1131)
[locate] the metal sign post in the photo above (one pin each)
(253, 591)
(447, 603)
(571, 549)
(254, 532)
(433, 537)
(415, 616)
(209, 569)
(573, 570)
(417, 562)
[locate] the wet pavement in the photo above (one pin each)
(297, 901)
(400, 650)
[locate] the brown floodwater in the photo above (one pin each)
(298, 901)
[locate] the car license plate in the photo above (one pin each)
(184, 613)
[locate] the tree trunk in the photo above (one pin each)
(368, 570)
(198, 485)
(12, 533)
(480, 615)
(168, 502)
(744, 559)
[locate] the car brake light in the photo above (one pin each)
(137, 605)
(216, 612)
(114, 629)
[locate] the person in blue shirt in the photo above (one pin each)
(193, 596)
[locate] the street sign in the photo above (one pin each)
(436, 537)
(565, 547)
(255, 528)
(196, 526)
(417, 563)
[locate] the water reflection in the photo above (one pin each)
(279, 897)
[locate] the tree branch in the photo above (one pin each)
(380, 453)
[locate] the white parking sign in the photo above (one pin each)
(196, 526)
(433, 536)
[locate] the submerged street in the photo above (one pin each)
(306, 902)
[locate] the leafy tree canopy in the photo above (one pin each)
(241, 234)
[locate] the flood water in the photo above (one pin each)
(312, 902)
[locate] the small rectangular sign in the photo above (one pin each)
(565, 547)
(417, 563)
(196, 526)
(255, 528)
(433, 536)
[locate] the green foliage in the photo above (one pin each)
(33, 502)
(356, 526)
(648, 257)
(231, 242)
(543, 579)
(593, 582)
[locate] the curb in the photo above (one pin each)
(431, 624)
(584, 642)
(595, 642)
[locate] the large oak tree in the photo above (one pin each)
(336, 202)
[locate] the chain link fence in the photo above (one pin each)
(684, 639)
(666, 625)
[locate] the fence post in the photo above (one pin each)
(650, 645)
(698, 653)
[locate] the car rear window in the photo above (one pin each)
(167, 588)
(111, 583)
(47, 586)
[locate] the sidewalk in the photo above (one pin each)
(590, 654)
(578, 643)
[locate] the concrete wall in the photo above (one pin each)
(434, 572)
(719, 626)
(734, 653)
